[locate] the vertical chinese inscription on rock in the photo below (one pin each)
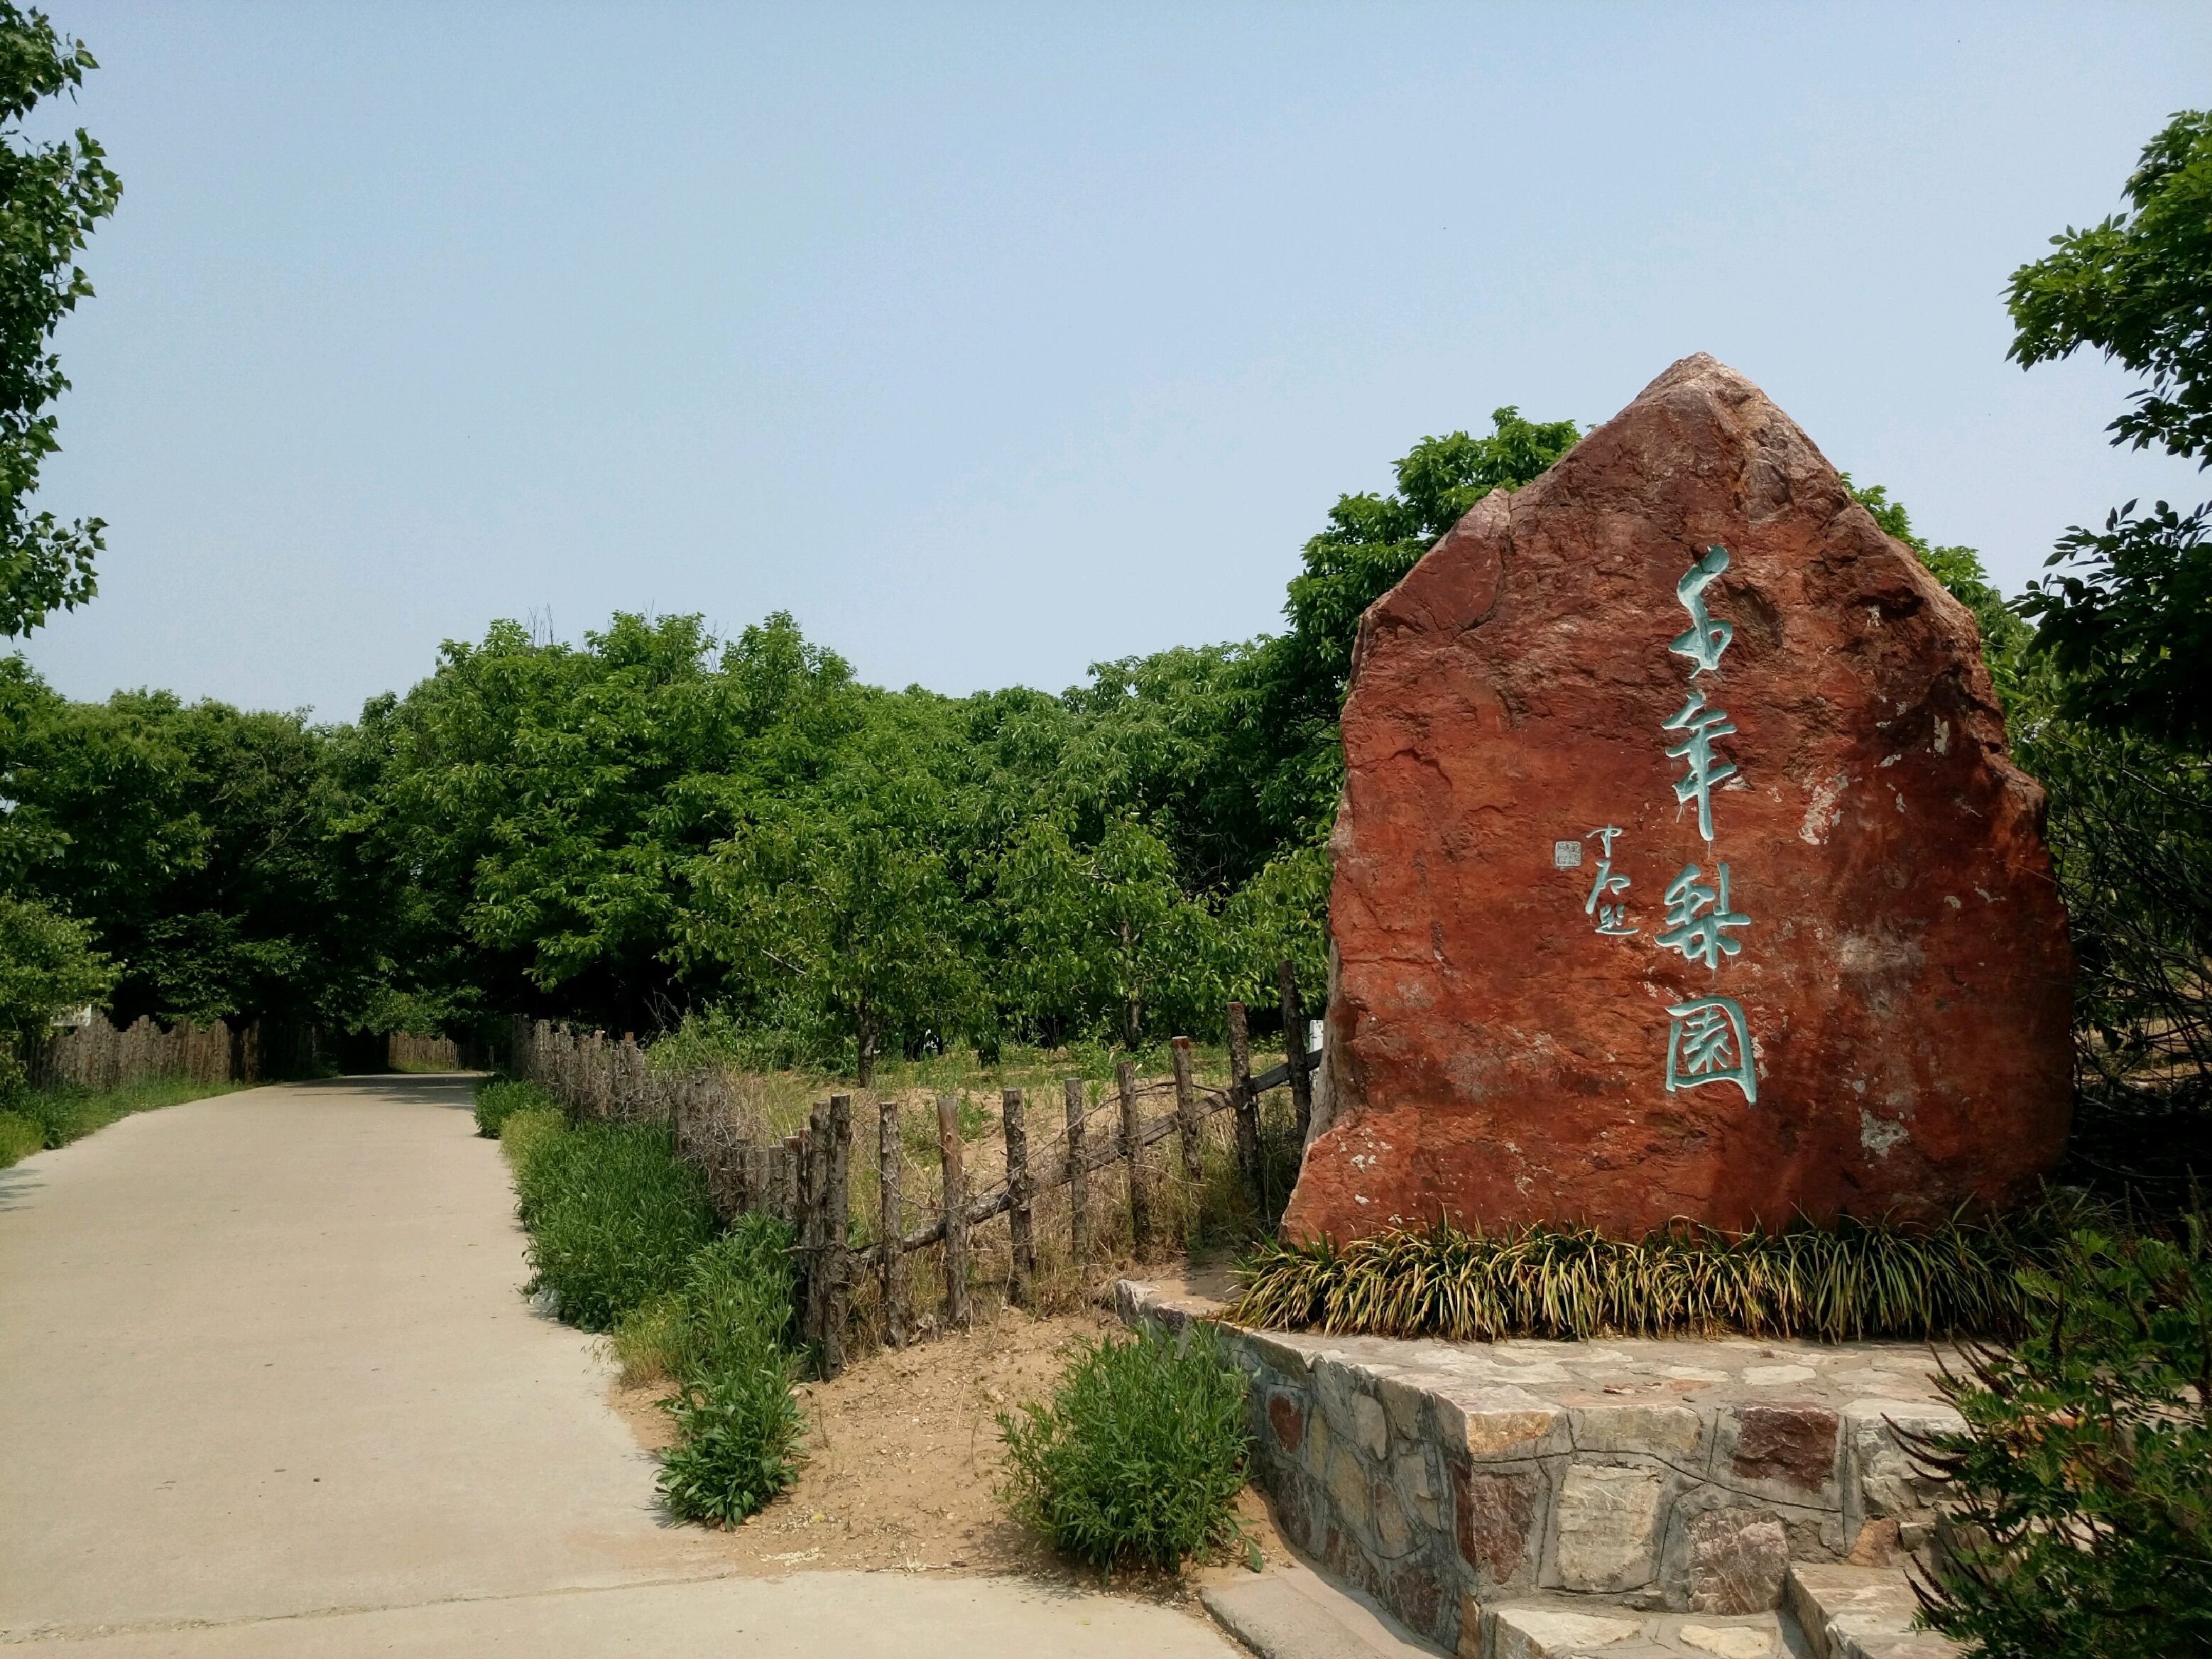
(1709, 1040)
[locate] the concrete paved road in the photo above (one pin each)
(266, 1386)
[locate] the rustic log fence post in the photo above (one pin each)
(1079, 1185)
(813, 1196)
(1021, 1286)
(1132, 1153)
(895, 1317)
(1294, 1050)
(956, 1205)
(1187, 1122)
(837, 1220)
(1247, 1106)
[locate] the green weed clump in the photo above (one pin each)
(1851, 1282)
(20, 1136)
(497, 1097)
(614, 1214)
(621, 1234)
(723, 1338)
(1140, 1455)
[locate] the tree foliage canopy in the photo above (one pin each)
(2129, 621)
(50, 197)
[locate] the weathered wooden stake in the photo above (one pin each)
(1140, 1208)
(836, 1232)
(1246, 1105)
(813, 1195)
(1021, 1289)
(1078, 1183)
(895, 1288)
(1185, 1109)
(1294, 1051)
(791, 1186)
(956, 1205)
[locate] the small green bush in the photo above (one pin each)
(738, 1446)
(614, 1215)
(20, 1136)
(2083, 1480)
(1142, 1455)
(497, 1097)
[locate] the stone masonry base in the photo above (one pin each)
(1679, 1476)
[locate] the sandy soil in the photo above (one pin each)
(904, 1459)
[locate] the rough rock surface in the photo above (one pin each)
(1680, 870)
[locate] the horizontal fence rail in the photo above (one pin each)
(804, 1179)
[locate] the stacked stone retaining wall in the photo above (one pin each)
(1683, 1476)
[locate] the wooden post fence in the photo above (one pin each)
(1021, 1289)
(888, 1226)
(1078, 1204)
(1133, 1150)
(1246, 1105)
(836, 1283)
(956, 1211)
(1294, 1050)
(1185, 1106)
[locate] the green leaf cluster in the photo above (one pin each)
(2082, 1484)
(2127, 622)
(52, 195)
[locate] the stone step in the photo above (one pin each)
(1860, 1613)
(1551, 1630)
(1290, 1611)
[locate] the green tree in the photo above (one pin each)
(2129, 622)
(50, 197)
(191, 841)
(47, 965)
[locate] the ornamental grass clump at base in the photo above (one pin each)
(1854, 1281)
(2080, 1489)
(1140, 1457)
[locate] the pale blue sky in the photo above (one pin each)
(994, 341)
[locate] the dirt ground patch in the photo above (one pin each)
(903, 1458)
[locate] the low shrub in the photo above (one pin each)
(621, 1237)
(497, 1097)
(738, 1442)
(1851, 1282)
(2083, 1485)
(1141, 1453)
(614, 1215)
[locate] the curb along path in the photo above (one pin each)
(270, 1388)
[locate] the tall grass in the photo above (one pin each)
(621, 1237)
(41, 1119)
(1855, 1281)
(614, 1214)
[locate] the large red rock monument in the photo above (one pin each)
(1680, 871)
